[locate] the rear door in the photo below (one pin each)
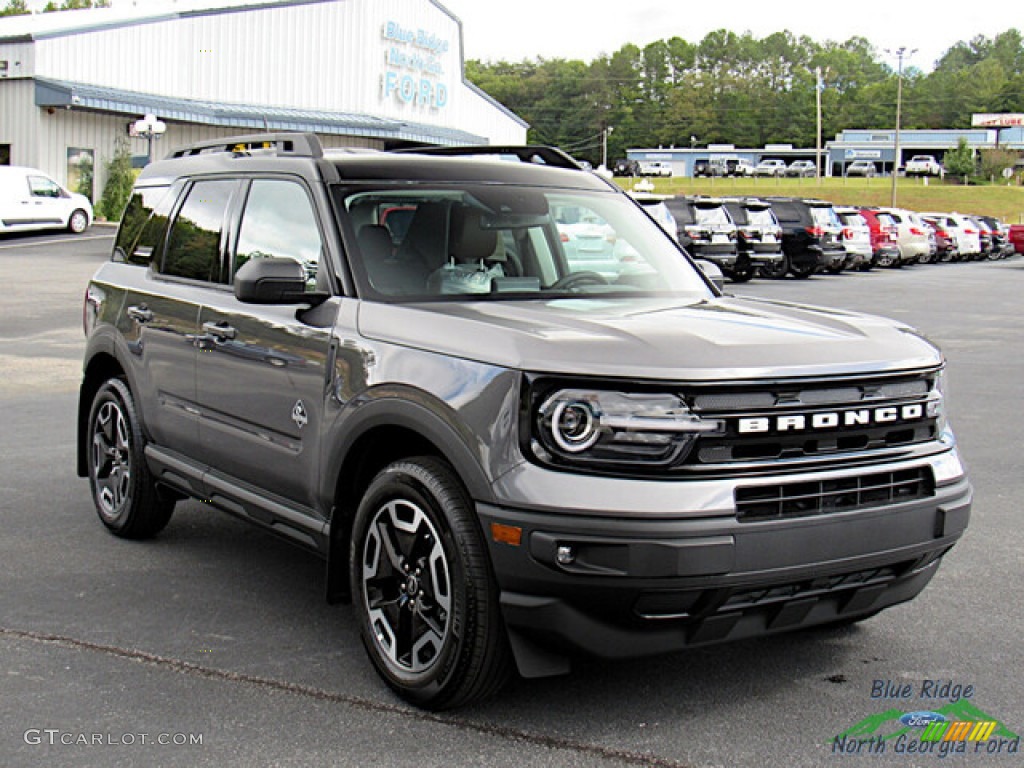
(177, 232)
(262, 370)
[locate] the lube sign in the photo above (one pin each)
(414, 68)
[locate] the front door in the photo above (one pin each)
(261, 370)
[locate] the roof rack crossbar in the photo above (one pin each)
(525, 153)
(294, 144)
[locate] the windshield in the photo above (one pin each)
(825, 217)
(761, 217)
(446, 242)
(708, 215)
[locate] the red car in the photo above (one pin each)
(1017, 237)
(883, 237)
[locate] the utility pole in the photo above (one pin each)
(899, 53)
(817, 147)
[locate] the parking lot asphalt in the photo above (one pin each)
(217, 633)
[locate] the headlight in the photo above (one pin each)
(937, 404)
(604, 428)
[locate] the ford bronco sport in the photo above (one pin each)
(387, 358)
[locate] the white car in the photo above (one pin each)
(911, 236)
(655, 168)
(968, 237)
(770, 168)
(31, 200)
(856, 238)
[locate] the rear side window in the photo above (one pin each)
(194, 245)
(143, 225)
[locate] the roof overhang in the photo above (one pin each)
(59, 93)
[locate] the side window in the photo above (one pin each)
(143, 225)
(279, 222)
(193, 248)
(40, 186)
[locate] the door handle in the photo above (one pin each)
(219, 330)
(141, 314)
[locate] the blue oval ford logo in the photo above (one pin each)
(921, 719)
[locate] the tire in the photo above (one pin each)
(775, 270)
(803, 271)
(739, 274)
(424, 594)
(78, 221)
(123, 490)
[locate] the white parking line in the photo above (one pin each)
(76, 239)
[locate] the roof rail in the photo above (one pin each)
(295, 144)
(525, 153)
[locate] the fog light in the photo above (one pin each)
(565, 555)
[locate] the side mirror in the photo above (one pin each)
(274, 281)
(712, 272)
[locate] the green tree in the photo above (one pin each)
(960, 161)
(15, 8)
(75, 5)
(992, 163)
(120, 178)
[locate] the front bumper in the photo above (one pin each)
(615, 584)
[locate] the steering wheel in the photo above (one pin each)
(574, 279)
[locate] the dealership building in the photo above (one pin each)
(877, 146)
(359, 73)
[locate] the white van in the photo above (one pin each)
(29, 199)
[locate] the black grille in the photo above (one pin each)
(813, 420)
(823, 497)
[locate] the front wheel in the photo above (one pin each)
(123, 490)
(425, 597)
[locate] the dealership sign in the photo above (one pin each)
(414, 66)
(1004, 120)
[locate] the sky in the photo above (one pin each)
(515, 30)
(584, 29)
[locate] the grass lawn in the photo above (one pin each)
(1006, 203)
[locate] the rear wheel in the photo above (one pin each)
(739, 274)
(803, 270)
(425, 596)
(123, 490)
(775, 269)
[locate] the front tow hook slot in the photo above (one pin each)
(587, 555)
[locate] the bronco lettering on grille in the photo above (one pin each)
(797, 422)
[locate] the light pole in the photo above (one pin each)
(150, 129)
(604, 145)
(899, 53)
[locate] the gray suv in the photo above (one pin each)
(506, 461)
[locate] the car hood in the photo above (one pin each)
(710, 339)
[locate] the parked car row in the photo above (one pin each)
(777, 236)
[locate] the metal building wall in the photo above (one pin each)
(19, 120)
(320, 55)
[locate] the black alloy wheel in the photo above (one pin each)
(425, 596)
(775, 269)
(124, 492)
